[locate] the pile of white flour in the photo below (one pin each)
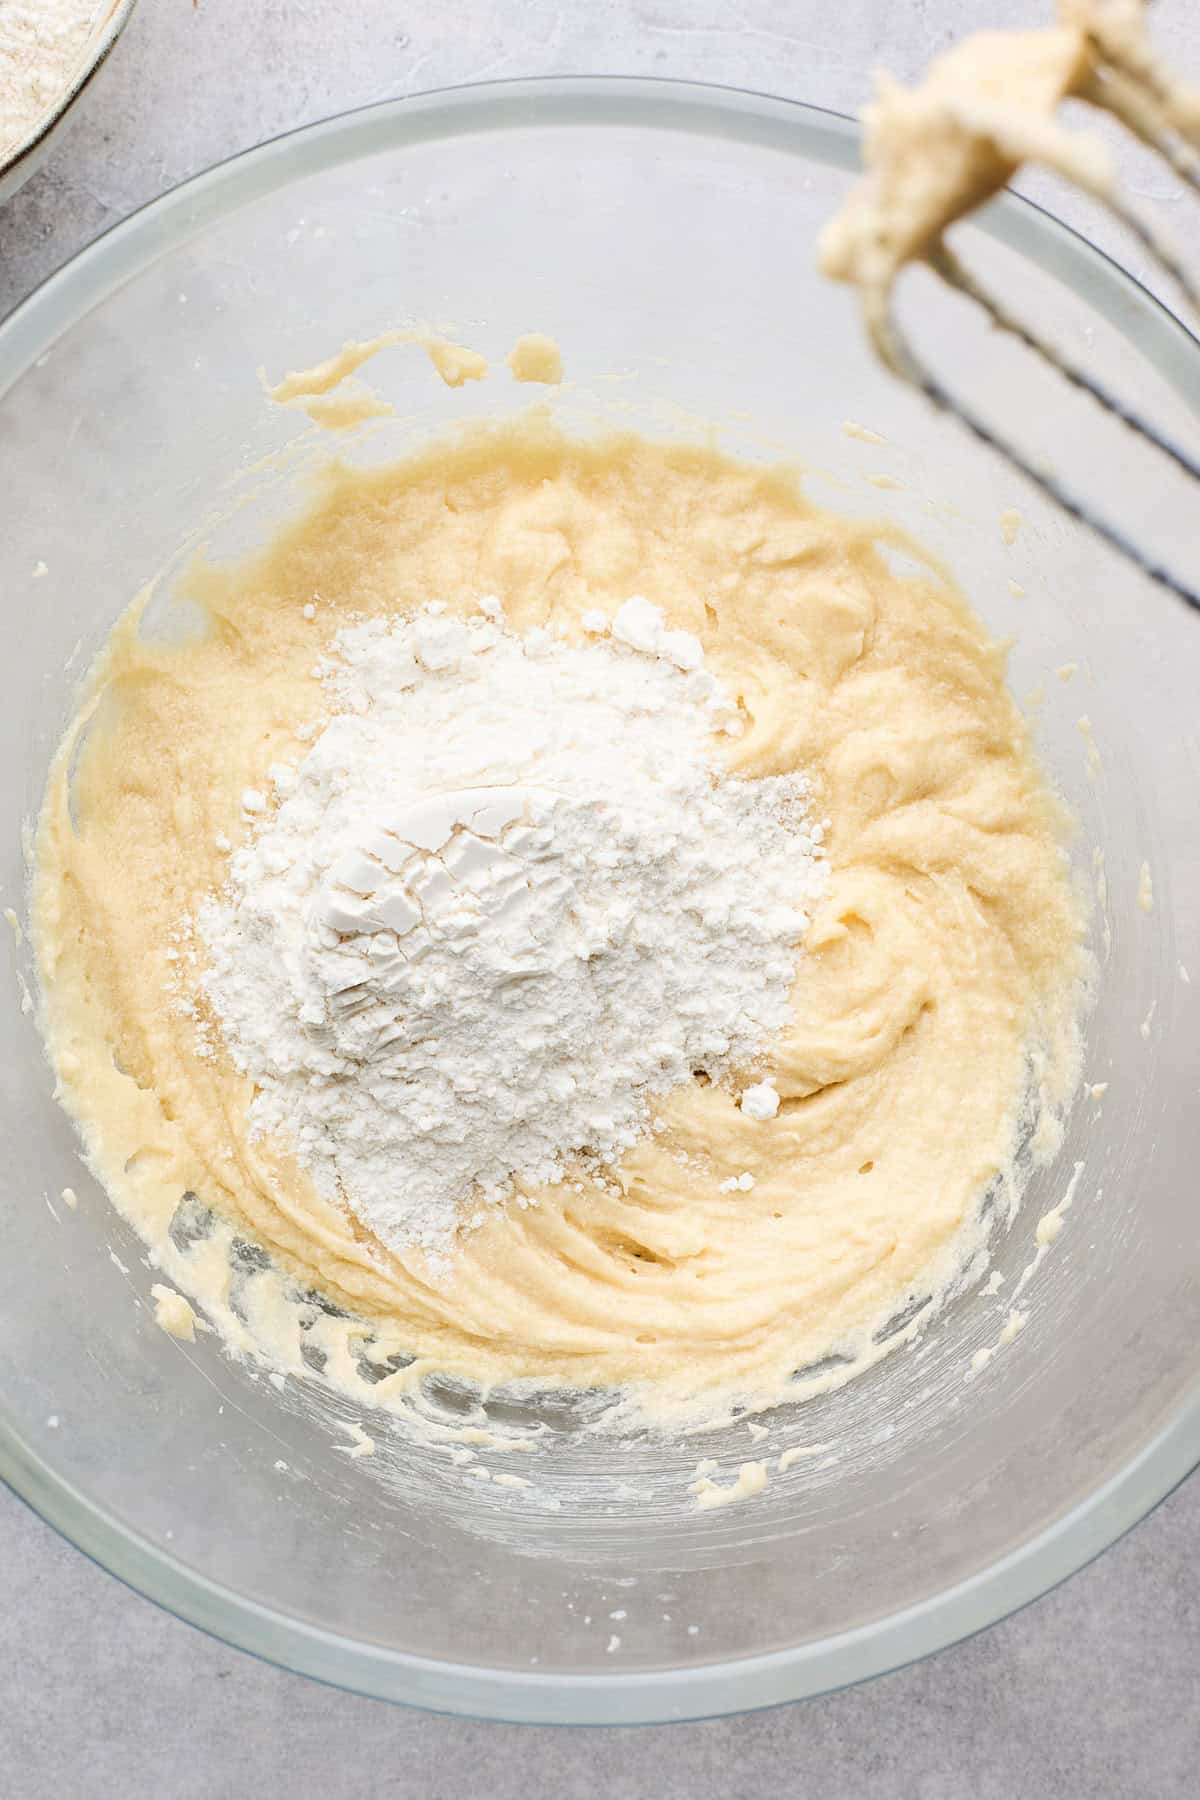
(41, 47)
(504, 898)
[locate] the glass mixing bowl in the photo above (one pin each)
(665, 234)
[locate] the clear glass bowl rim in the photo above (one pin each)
(698, 1690)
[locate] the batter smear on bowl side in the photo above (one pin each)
(576, 910)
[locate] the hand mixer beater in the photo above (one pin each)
(934, 153)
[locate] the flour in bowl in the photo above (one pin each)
(41, 47)
(505, 899)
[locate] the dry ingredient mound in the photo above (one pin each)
(505, 899)
(41, 46)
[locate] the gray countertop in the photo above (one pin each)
(1094, 1691)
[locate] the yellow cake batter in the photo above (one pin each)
(934, 1008)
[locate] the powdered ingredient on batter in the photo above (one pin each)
(505, 900)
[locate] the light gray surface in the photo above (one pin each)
(1093, 1692)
